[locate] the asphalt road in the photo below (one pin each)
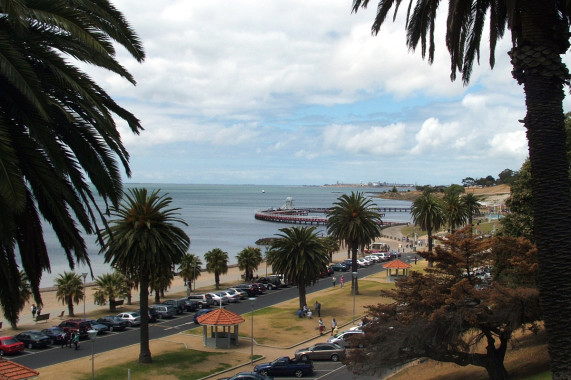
(36, 358)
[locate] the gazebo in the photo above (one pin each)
(213, 336)
(396, 265)
(10, 370)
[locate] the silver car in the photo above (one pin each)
(346, 339)
(232, 297)
(132, 317)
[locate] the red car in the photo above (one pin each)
(10, 345)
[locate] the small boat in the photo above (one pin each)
(263, 191)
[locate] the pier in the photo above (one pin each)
(301, 216)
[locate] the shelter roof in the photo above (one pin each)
(220, 317)
(396, 264)
(10, 370)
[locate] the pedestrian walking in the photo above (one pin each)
(342, 280)
(318, 308)
(335, 331)
(333, 279)
(33, 308)
(415, 259)
(333, 325)
(76, 341)
(321, 326)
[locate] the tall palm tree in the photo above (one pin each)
(353, 220)
(471, 205)
(331, 245)
(456, 213)
(189, 269)
(429, 214)
(217, 263)
(58, 132)
(539, 35)
(69, 290)
(160, 281)
(109, 287)
(248, 260)
(299, 254)
(144, 239)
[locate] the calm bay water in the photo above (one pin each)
(222, 216)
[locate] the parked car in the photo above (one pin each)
(100, 327)
(251, 289)
(271, 282)
(33, 339)
(10, 345)
(340, 267)
(233, 297)
(362, 263)
(204, 300)
(177, 304)
(241, 293)
(190, 305)
(153, 314)
(164, 311)
(199, 313)
(247, 376)
(262, 288)
(373, 258)
(321, 351)
(76, 326)
(349, 263)
(219, 298)
(394, 254)
(132, 317)
(56, 335)
(113, 322)
(348, 339)
(285, 366)
(384, 256)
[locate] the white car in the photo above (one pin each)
(372, 258)
(219, 299)
(132, 317)
(362, 262)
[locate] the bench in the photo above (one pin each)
(43, 317)
(116, 303)
(60, 316)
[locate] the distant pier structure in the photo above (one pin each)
(289, 214)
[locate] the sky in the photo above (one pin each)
(299, 92)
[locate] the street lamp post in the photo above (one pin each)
(84, 293)
(92, 335)
(354, 274)
(252, 301)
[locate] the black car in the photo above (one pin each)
(177, 304)
(190, 305)
(271, 282)
(113, 322)
(56, 335)
(199, 313)
(247, 376)
(251, 289)
(33, 339)
(153, 315)
(340, 267)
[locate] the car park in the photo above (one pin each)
(56, 335)
(321, 351)
(33, 339)
(76, 326)
(164, 311)
(113, 322)
(131, 317)
(10, 345)
(348, 339)
(199, 313)
(285, 366)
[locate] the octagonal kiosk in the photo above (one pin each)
(220, 328)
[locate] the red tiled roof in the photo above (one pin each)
(397, 264)
(220, 317)
(14, 371)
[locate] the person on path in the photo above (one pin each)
(415, 259)
(33, 308)
(333, 279)
(333, 325)
(335, 331)
(318, 308)
(342, 280)
(76, 341)
(309, 313)
(321, 326)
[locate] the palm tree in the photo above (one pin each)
(217, 263)
(471, 205)
(331, 245)
(160, 281)
(69, 290)
(299, 255)
(539, 35)
(248, 260)
(456, 214)
(353, 220)
(58, 131)
(144, 239)
(429, 214)
(109, 287)
(189, 269)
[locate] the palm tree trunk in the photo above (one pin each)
(430, 244)
(70, 307)
(145, 351)
(302, 297)
(217, 280)
(537, 64)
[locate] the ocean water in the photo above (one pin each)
(222, 216)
